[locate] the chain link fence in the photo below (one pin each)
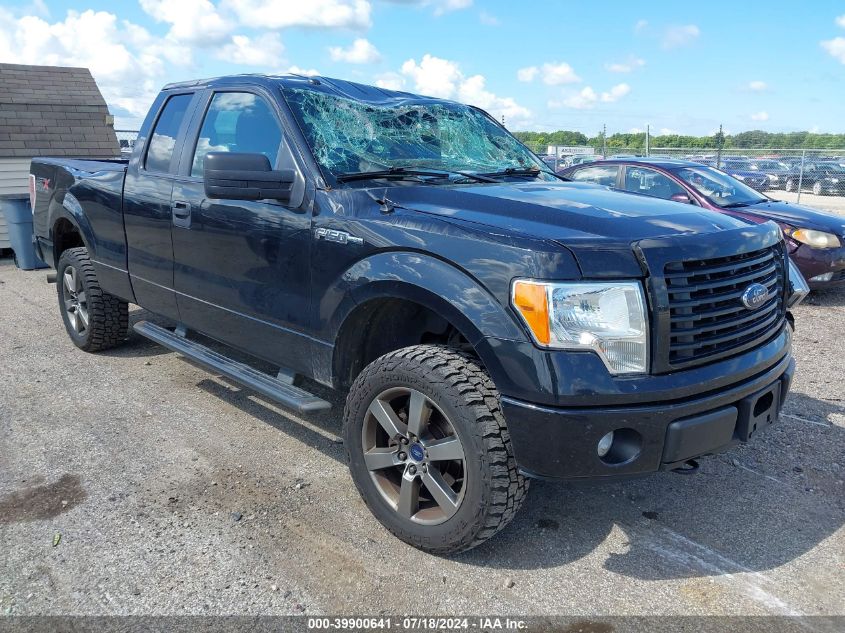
(815, 177)
(126, 139)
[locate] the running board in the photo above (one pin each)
(285, 394)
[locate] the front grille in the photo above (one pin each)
(706, 315)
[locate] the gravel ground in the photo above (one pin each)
(132, 482)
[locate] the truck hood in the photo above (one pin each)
(569, 213)
(798, 216)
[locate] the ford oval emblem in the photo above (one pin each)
(755, 296)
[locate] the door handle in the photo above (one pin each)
(181, 209)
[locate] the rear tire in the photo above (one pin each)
(94, 319)
(433, 396)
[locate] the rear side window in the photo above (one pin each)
(237, 122)
(651, 183)
(163, 139)
(599, 174)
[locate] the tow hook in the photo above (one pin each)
(51, 277)
(690, 467)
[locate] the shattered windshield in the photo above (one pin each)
(349, 136)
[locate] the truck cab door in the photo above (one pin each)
(242, 271)
(147, 203)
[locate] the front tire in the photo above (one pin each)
(429, 450)
(790, 185)
(94, 319)
(817, 189)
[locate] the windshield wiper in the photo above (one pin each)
(514, 171)
(404, 172)
(735, 205)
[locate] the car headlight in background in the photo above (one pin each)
(815, 239)
(608, 318)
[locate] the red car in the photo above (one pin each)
(816, 240)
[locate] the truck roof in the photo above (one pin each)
(329, 85)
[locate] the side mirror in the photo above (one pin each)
(236, 176)
(681, 197)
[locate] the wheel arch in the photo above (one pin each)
(406, 299)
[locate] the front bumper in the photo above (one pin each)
(818, 261)
(560, 443)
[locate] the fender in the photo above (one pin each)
(423, 279)
(71, 210)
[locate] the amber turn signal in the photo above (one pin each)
(531, 300)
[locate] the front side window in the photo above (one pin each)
(347, 136)
(651, 183)
(599, 174)
(718, 187)
(163, 139)
(237, 122)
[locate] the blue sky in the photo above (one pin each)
(678, 67)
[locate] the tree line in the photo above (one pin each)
(754, 139)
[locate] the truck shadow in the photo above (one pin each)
(751, 509)
(827, 297)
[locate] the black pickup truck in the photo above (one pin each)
(489, 321)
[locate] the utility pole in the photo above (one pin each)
(647, 138)
(604, 141)
(720, 141)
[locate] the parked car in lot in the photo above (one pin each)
(822, 178)
(815, 240)
(744, 171)
(776, 171)
(489, 321)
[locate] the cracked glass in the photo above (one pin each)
(350, 136)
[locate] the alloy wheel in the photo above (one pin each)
(76, 301)
(414, 455)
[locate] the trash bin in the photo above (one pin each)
(19, 222)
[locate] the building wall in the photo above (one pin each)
(14, 177)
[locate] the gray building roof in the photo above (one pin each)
(53, 111)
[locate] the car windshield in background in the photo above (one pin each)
(721, 189)
(351, 137)
(773, 165)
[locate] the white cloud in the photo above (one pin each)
(390, 81)
(680, 35)
(126, 61)
(433, 76)
(835, 48)
(308, 72)
(271, 14)
(360, 52)
(527, 74)
(264, 50)
(841, 21)
(665, 131)
(635, 130)
(445, 6)
(488, 19)
(760, 116)
(614, 94)
(588, 98)
(443, 78)
(196, 21)
(629, 65)
(584, 100)
(640, 26)
(557, 73)
(757, 86)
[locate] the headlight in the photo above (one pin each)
(815, 239)
(608, 318)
